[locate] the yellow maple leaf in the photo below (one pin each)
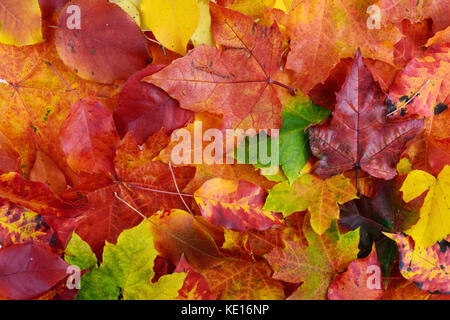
(434, 221)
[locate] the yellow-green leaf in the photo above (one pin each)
(320, 196)
(127, 270)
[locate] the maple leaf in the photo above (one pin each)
(373, 216)
(427, 268)
(146, 185)
(358, 135)
(355, 283)
(108, 46)
(315, 265)
(321, 50)
(298, 114)
(20, 22)
(236, 81)
(235, 205)
(422, 87)
(127, 269)
(434, 222)
(319, 196)
(36, 101)
(29, 270)
(144, 109)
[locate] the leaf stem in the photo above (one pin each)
(291, 90)
(64, 81)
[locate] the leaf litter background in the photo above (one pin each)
(85, 151)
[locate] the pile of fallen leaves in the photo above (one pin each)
(358, 208)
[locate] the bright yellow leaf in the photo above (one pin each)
(284, 5)
(416, 183)
(434, 220)
(203, 33)
(173, 22)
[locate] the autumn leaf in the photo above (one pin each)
(21, 225)
(89, 138)
(243, 280)
(315, 265)
(429, 150)
(319, 196)
(45, 170)
(107, 215)
(373, 216)
(35, 101)
(173, 23)
(415, 11)
(361, 281)
(236, 81)
(107, 47)
(129, 7)
(195, 286)
(144, 109)
(358, 136)
(428, 268)
(20, 23)
(434, 222)
(29, 270)
(235, 205)
(203, 33)
(322, 49)
(178, 233)
(423, 86)
(127, 270)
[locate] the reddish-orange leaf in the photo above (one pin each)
(144, 108)
(361, 281)
(430, 150)
(235, 205)
(358, 135)
(89, 138)
(428, 74)
(237, 80)
(9, 158)
(106, 46)
(318, 41)
(28, 270)
(413, 44)
(45, 170)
